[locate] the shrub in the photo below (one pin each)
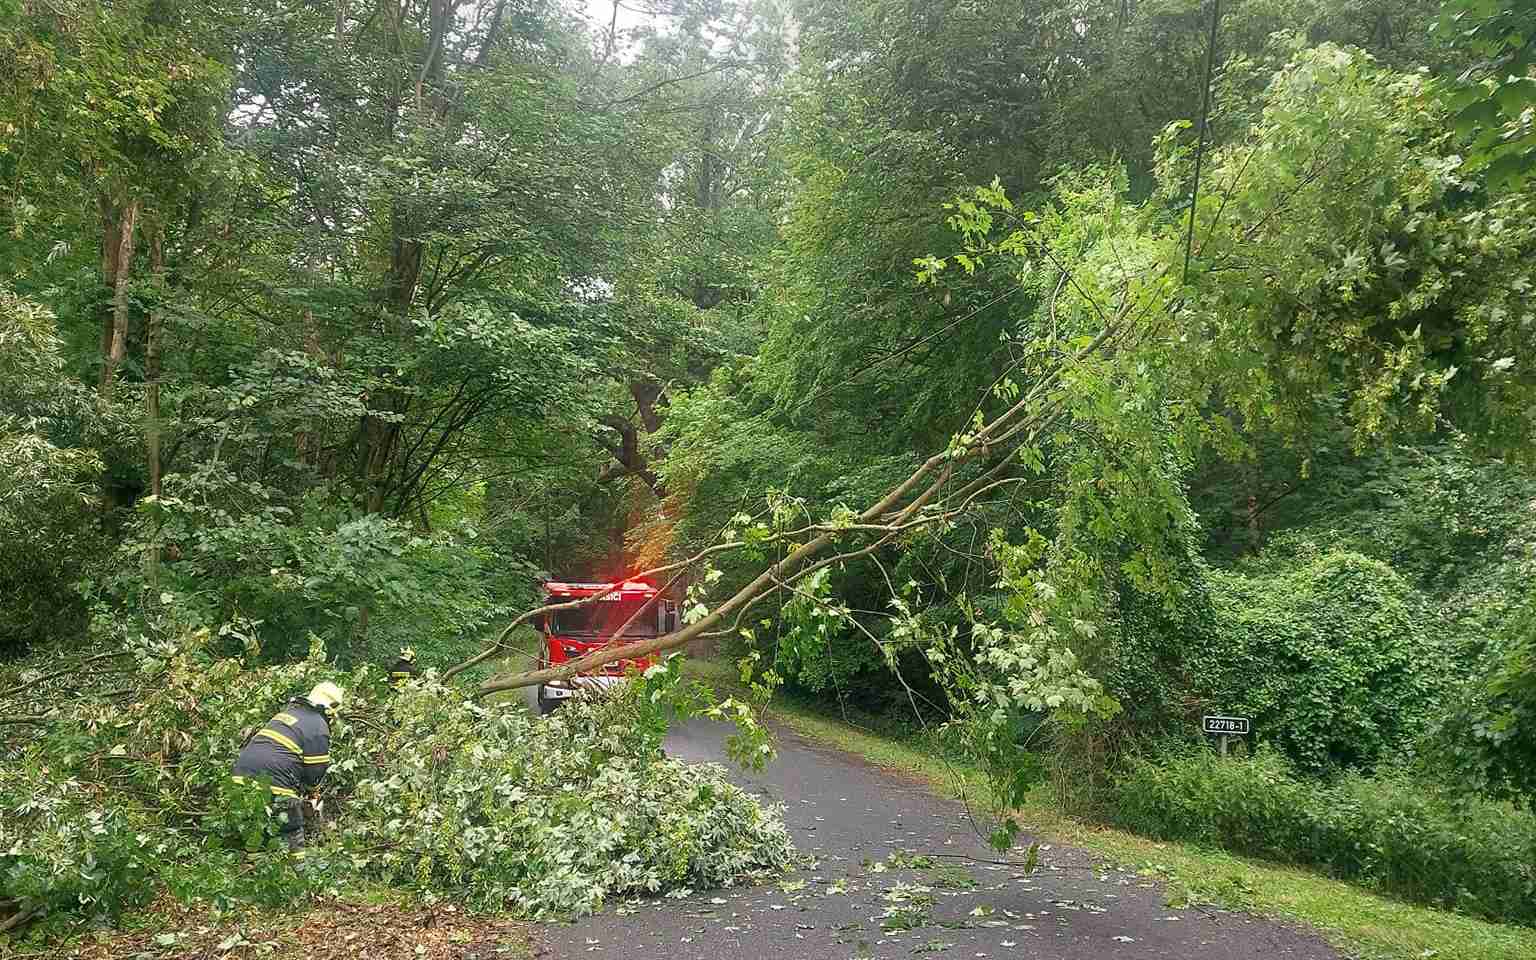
(1487, 742)
(1144, 667)
(48, 479)
(1329, 658)
(1440, 514)
(113, 800)
(364, 583)
(1387, 833)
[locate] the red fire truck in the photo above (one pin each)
(569, 634)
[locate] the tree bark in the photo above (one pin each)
(613, 32)
(26, 910)
(491, 34)
(646, 394)
(380, 434)
(152, 391)
(627, 457)
(117, 268)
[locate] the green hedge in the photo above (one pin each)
(1386, 833)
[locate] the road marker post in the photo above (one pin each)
(1224, 727)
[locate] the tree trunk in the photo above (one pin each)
(707, 192)
(152, 392)
(627, 457)
(376, 442)
(646, 394)
(616, 539)
(152, 365)
(380, 435)
(117, 269)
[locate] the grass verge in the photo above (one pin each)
(1357, 921)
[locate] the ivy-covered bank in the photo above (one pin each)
(122, 794)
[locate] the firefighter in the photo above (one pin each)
(404, 669)
(292, 753)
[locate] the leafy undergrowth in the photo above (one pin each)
(331, 930)
(1392, 834)
(113, 798)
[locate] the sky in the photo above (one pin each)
(631, 14)
(600, 12)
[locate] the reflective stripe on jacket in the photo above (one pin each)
(403, 671)
(293, 750)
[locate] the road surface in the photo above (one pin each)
(856, 900)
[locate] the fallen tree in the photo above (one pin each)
(1340, 269)
(897, 513)
(111, 801)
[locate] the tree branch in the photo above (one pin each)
(894, 507)
(72, 668)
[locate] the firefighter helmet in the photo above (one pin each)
(326, 695)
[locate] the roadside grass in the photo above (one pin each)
(1357, 921)
(1354, 919)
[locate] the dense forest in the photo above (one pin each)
(1057, 373)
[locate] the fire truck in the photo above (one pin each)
(569, 634)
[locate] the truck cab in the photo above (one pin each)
(567, 635)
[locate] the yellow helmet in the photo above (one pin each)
(326, 695)
(407, 654)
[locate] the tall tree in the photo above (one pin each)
(710, 88)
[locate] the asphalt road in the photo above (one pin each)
(850, 903)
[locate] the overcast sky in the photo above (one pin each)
(600, 12)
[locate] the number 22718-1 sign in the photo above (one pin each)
(1231, 726)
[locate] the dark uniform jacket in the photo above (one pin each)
(293, 750)
(402, 671)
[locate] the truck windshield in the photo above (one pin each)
(602, 617)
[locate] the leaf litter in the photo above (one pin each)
(333, 930)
